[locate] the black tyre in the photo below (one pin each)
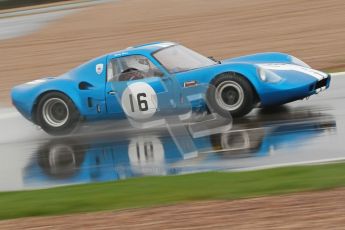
(231, 93)
(57, 114)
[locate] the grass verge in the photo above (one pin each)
(152, 191)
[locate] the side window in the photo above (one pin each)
(131, 67)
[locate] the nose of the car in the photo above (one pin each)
(296, 77)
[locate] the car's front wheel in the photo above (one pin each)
(57, 114)
(231, 93)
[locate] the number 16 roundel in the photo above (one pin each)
(139, 101)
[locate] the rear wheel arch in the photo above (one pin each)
(39, 98)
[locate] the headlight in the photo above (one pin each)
(38, 81)
(269, 76)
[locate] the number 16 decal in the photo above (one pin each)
(139, 101)
(142, 103)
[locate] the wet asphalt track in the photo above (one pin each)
(22, 22)
(12, 27)
(303, 132)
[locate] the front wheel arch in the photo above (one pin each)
(257, 97)
(245, 99)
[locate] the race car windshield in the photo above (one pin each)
(179, 59)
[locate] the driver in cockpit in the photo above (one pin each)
(135, 67)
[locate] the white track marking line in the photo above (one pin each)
(326, 160)
(48, 9)
(8, 115)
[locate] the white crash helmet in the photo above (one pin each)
(138, 62)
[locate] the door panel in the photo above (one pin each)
(135, 98)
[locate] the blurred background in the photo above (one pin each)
(10, 4)
(51, 38)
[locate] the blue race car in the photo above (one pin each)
(161, 78)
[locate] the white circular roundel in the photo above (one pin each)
(139, 101)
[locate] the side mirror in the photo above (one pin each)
(214, 59)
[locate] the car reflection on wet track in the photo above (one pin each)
(112, 157)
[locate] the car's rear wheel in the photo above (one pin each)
(231, 93)
(57, 114)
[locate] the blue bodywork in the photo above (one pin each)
(88, 89)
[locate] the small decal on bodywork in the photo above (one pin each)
(99, 68)
(120, 54)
